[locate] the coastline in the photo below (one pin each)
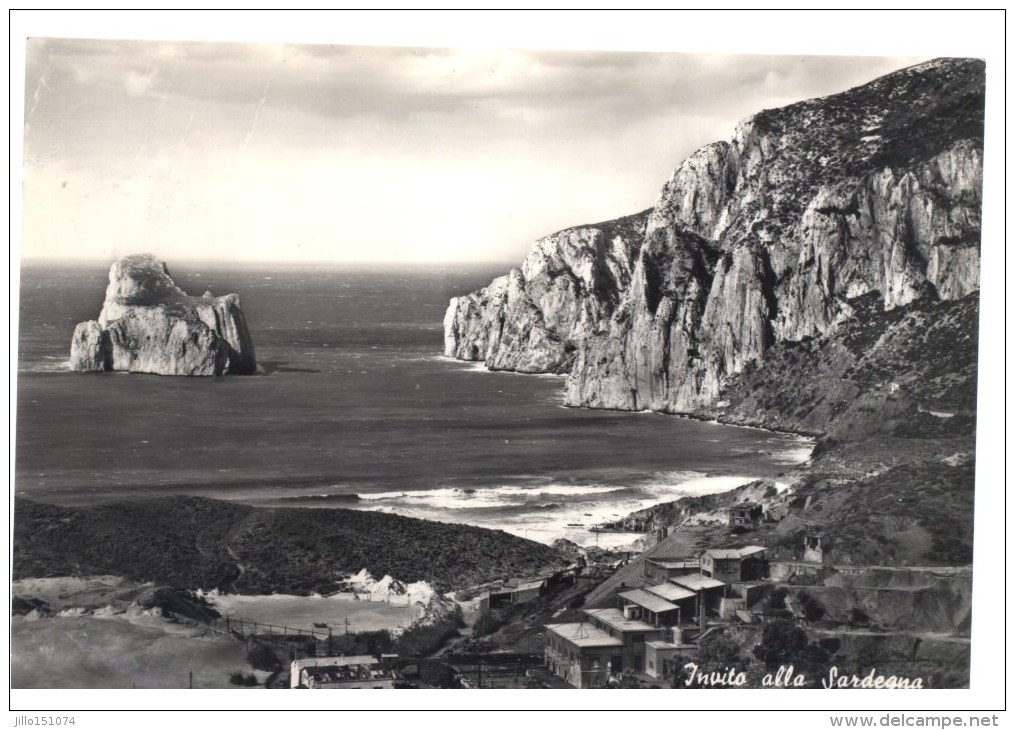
(703, 417)
(809, 439)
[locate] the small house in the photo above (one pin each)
(606, 642)
(746, 515)
(516, 590)
(341, 672)
(732, 565)
(648, 607)
(660, 570)
(708, 591)
(684, 599)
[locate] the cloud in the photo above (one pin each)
(341, 82)
(401, 149)
(137, 84)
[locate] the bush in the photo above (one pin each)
(717, 652)
(360, 642)
(243, 680)
(777, 598)
(485, 624)
(813, 610)
(262, 656)
(830, 644)
(782, 642)
(439, 674)
(423, 639)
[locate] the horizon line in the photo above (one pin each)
(106, 261)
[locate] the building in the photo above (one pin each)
(746, 515)
(732, 565)
(606, 642)
(514, 591)
(684, 599)
(659, 654)
(341, 672)
(648, 607)
(582, 654)
(708, 592)
(660, 570)
(813, 552)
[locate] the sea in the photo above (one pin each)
(355, 407)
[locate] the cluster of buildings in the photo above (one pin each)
(654, 627)
(607, 643)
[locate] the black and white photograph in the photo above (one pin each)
(359, 365)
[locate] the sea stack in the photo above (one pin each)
(150, 325)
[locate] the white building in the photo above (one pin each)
(340, 672)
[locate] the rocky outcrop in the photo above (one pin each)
(531, 319)
(767, 239)
(149, 325)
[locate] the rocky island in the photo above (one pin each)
(150, 325)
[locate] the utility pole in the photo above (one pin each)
(190, 681)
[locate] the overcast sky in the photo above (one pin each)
(354, 153)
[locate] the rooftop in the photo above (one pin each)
(520, 583)
(335, 661)
(734, 553)
(671, 592)
(584, 635)
(530, 585)
(673, 563)
(723, 554)
(697, 582)
(333, 674)
(669, 645)
(614, 618)
(649, 601)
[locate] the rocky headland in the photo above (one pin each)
(149, 325)
(764, 239)
(817, 273)
(532, 319)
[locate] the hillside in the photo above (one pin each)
(192, 542)
(891, 480)
(817, 273)
(906, 372)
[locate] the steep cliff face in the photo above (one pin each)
(531, 319)
(149, 325)
(767, 238)
(873, 190)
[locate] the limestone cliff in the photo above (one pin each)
(531, 319)
(766, 239)
(149, 325)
